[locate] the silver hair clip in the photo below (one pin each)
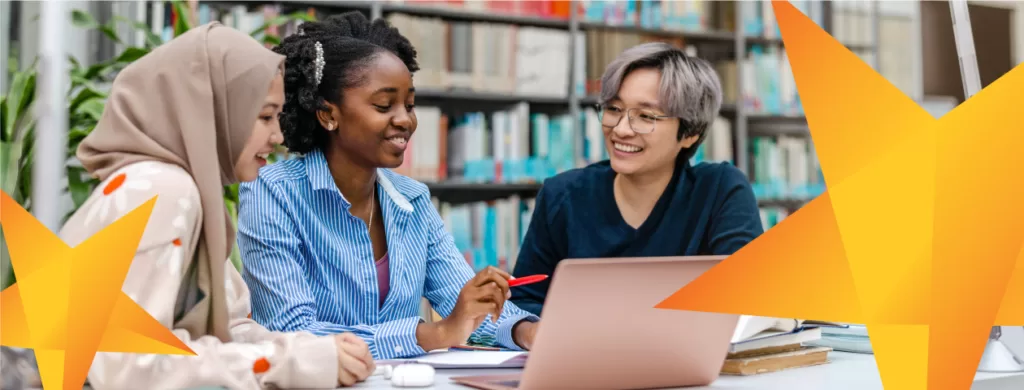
(319, 62)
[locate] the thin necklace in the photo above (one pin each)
(369, 227)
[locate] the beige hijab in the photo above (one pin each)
(191, 102)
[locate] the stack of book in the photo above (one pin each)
(764, 344)
(846, 338)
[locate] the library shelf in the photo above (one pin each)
(470, 15)
(591, 100)
(443, 12)
(462, 95)
(791, 204)
(704, 36)
(759, 40)
(364, 5)
(467, 192)
(772, 125)
(860, 48)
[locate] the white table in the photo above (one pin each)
(846, 371)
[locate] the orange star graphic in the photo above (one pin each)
(67, 304)
(919, 235)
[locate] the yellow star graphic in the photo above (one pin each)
(919, 235)
(67, 304)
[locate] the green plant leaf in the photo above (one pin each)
(82, 19)
(92, 108)
(182, 23)
(131, 54)
(152, 40)
(76, 73)
(232, 207)
(12, 60)
(3, 123)
(78, 80)
(25, 176)
(110, 33)
(10, 158)
(231, 193)
(6, 271)
(80, 185)
(97, 70)
(76, 135)
(18, 98)
(271, 39)
(84, 95)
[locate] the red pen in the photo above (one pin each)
(526, 280)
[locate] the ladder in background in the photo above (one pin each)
(997, 357)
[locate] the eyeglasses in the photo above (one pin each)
(641, 121)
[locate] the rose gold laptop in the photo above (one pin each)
(599, 329)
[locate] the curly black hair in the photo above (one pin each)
(350, 43)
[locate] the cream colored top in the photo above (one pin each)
(297, 360)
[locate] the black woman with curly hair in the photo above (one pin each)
(334, 241)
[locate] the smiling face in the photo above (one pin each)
(376, 118)
(637, 153)
(266, 134)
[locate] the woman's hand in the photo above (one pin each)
(484, 294)
(355, 363)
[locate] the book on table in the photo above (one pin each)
(767, 344)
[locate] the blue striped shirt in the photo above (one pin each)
(309, 262)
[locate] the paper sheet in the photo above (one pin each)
(467, 359)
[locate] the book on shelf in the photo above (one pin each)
(546, 9)
(426, 154)
(501, 146)
(853, 22)
(718, 144)
(786, 168)
(651, 14)
(603, 46)
(488, 57)
(488, 233)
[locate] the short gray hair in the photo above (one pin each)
(690, 88)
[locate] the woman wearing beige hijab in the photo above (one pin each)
(194, 115)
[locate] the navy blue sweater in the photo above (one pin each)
(706, 209)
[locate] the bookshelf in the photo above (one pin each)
(467, 193)
(506, 96)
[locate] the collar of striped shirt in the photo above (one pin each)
(400, 193)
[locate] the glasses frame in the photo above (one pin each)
(629, 114)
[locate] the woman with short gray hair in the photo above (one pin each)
(656, 106)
